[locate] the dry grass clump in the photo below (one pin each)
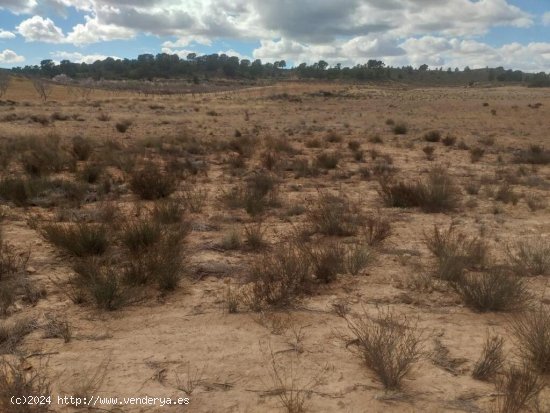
(57, 327)
(535, 155)
(377, 229)
(437, 194)
(476, 154)
(42, 156)
(168, 211)
(150, 182)
(334, 215)
(12, 332)
(493, 291)
(358, 256)
(18, 381)
(455, 252)
(432, 136)
(12, 275)
(328, 160)
(491, 360)
(389, 344)
(531, 331)
(254, 235)
(259, 192)
(327, 260)
(400, 128)
(530, 256)
(123, 125)
(518, 388)
(82, 148)
(193, 197)
(280, 276)
(79, 239)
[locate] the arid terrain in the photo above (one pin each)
(298, 247)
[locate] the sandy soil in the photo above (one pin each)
(154, 347)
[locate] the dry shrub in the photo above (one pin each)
(389, 344)
(476, 154)
(194, 197)
(506, 194)
(280, 276)
(432, 136)
(13, 280)
(455, 252)
(57, 327)
(17, 380)
(327, 260)
(530, 256)
(82, 148)
(400, 128)
(437, 194)
(12, 333)
(254, 235)
(358, 256)
(493, 291)
(168, 211)
(44, 155)
(491, 360)
(535, 155)
(150, 182)
(328, 160)
(123, 125)
(98, 282)
(78, 239)
(334, 215)
(377, 229)
(531, 331)
(519, 387)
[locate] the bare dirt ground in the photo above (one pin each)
(186, 343)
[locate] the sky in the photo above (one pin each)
(440, 33)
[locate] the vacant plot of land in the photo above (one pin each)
(297, 247)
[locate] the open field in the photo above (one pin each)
(262, 250)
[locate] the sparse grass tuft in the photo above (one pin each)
(518, 388)
(389, 344)
(530, 256)
(531, 331)
(334, 215)
(491, 360)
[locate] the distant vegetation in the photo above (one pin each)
(197, 69)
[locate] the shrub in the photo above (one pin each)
(400, 128)
(437, 194)
(150, 182)
(333, 137)
(535, 155)
(377, 229)
(254, 236)
(123, 125)
(327, 260)
(531, 331)
(99, 282)
(429, 151)
(13, 264)
(493, 291)
(432, 136)
(17, 381)
(82, 148)
(138, 235)
(43, 156)
(328, 160)
(476, 154)
(518, 387)
(79, 239)
(506, 194)
(12, 332)
(279, 277)
(168, 211)
(530, 256)
(449, 140)
(455, 252)
(91, 173)
(334, 215)
(354, 146)
(491, 360)
(358, 256)
(389, 344)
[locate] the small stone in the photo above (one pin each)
(31, 270)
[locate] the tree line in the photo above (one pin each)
(201, 68)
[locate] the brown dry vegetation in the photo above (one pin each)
(233, 248)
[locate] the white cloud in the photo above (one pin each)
(76, 57)
(9, 56)
(93, 31)
(18, 6)
(40, 29)
(4, 34)
(546, 18)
